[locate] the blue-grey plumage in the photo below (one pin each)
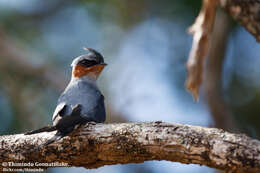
(84, 93)
(82, 100)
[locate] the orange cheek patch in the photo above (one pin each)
(80, 71)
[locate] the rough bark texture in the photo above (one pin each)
(93, 146)
(245, 12)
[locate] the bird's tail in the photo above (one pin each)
(55, 138)
(43, 129)
(63, 127)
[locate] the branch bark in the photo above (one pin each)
(201, 31)
(245, 13)
(93, 146)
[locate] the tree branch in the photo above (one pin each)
(245, 13)
(93, 146)
(201, 31)
(212, 85)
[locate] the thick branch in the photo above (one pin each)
(246, 13)
(93, 146)
(212, 85)
(201, 30)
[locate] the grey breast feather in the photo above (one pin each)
(87, 95)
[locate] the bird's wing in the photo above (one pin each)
(59, 111)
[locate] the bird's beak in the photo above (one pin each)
(104, 64)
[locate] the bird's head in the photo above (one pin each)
(88, 66)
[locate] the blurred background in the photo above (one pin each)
(146, 46)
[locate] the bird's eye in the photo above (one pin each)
(87, 63)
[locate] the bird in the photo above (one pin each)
(81, 101)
